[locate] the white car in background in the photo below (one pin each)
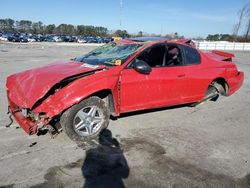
(57, 39)
(81, 40)
(4, 37)
(31, 40)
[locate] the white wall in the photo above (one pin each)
(237, 46)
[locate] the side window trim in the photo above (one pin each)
(182, 51)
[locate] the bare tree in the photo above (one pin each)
(248, 30)
(243, 13)
(248, 22)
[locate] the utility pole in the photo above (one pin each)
(121, 3)
(161, 29)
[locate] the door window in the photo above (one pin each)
(154, 56)
(162, 56)
(173, 56)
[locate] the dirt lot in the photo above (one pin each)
(206, 146)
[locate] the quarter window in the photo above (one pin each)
(192, 56)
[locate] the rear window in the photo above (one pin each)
(192, 56)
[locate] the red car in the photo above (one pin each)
(124, 76)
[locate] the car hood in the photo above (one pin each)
(26, 88)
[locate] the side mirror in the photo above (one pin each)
(142, 67)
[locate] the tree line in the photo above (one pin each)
(227, 37)
(27, 26)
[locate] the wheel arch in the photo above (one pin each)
(221, 85)
(53, 107)
(104, 94)
(107, 96)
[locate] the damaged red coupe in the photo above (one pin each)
(124, 76)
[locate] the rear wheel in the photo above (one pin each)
(212, 94)
(84, 121)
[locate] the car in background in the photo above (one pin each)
(13, 38)
(23, 39)
(32, 39)
(35, 38)
(3, 37)
(107, 40)
(28, 37)
(91, 39)
(57, 38)
(120, 77)
(49, 38)
(81, 40)
(69, 38)
(116, 38)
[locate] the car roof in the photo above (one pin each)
(142, 40)
(154, 40)
(148, 39)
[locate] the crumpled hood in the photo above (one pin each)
(26, 88)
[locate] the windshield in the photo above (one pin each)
(110, 54)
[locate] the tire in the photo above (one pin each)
(85, 120)
(212, 94)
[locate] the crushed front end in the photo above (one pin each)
(28, 120)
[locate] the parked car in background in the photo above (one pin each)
(3, 37)
(28, 37)
(123, 76)
(32, 39)
(58, 39)
(13, 38)
(81, 40)
(49, 38)
(116, 38)
(23, 39)
(91, 40)
(107, 40)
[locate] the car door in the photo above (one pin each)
(161, 87)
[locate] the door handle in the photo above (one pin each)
(181, 75)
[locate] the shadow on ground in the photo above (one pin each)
(105, 165)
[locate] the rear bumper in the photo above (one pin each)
(236, 82)
(27, 125)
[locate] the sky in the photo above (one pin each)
(191, 18)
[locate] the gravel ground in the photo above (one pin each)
(206, 146)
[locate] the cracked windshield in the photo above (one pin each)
(109, 54)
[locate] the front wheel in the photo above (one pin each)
(84, 121)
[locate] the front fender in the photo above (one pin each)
(77, 91)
